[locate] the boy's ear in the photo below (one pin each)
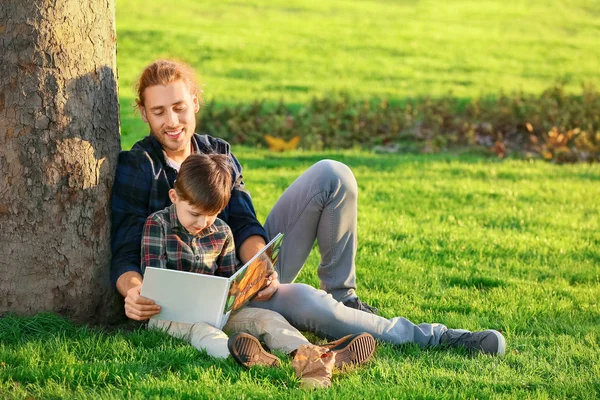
(143, 114)
(173, 196)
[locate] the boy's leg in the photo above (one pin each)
(316, 311)
(200, 335)
(267, 326)
(321, 204)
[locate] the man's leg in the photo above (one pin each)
(321, 204)
(309, 309)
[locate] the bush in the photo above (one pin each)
(554, 125)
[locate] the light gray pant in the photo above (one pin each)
(313, 310)
(266, 325)
(322, 204)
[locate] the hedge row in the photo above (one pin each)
(555, 125)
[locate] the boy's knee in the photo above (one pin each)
(218, 351)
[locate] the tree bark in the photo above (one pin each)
(59, 142)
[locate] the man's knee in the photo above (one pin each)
(337, 176)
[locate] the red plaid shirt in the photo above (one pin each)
(167, 244)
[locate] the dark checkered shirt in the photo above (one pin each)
(167, 244)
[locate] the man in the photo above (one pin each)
(320, 204)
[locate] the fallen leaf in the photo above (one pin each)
(278, 144)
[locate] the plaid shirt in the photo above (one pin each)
(141, 187)
(167, 244)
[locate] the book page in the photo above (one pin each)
(252, 278)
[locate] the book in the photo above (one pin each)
(190, 297)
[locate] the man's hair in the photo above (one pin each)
(204, 181)
(163, 72)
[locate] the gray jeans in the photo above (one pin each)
(322, 204)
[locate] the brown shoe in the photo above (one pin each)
(248, 352)
(352, 349)
(313, 365)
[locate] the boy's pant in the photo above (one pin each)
(266, 325)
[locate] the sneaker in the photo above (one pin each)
(248, 352)
(314, 365)
(352, 349)
(356, 303)
(487, 342)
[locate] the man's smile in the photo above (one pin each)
(174, 134)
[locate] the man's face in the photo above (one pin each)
(170, 111)
(192, 219)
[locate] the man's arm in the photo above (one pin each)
(136, 306)
(248, 233)
(131, 191)
(239, 213)
(248, 249)
(130, 198)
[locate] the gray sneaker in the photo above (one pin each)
(487, 342)
(356, 303)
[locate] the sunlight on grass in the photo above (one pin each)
(460, 240)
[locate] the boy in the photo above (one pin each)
(188, 236)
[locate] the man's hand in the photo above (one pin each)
(269, 291)
(138, 307)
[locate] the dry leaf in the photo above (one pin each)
(529, 127)
(278, 144)
(500, 149)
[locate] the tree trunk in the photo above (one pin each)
(59, 142)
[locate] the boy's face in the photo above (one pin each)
(189, 217)
(170, 110)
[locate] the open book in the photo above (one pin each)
(189, 297)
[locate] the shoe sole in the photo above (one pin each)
(358, 351)
(248, 352)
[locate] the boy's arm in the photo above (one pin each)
(227, 260)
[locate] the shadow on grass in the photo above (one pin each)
(47, 348)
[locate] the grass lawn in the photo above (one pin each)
(274, 49)
(461, 240)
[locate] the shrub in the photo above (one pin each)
(555, 125)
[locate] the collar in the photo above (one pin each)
(159, 151)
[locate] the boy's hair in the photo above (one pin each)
(204, 181)
(163, 72)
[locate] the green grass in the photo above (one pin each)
(461, 240)
(274, 49)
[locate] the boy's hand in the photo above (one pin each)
(270, 289)
(138, 307)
